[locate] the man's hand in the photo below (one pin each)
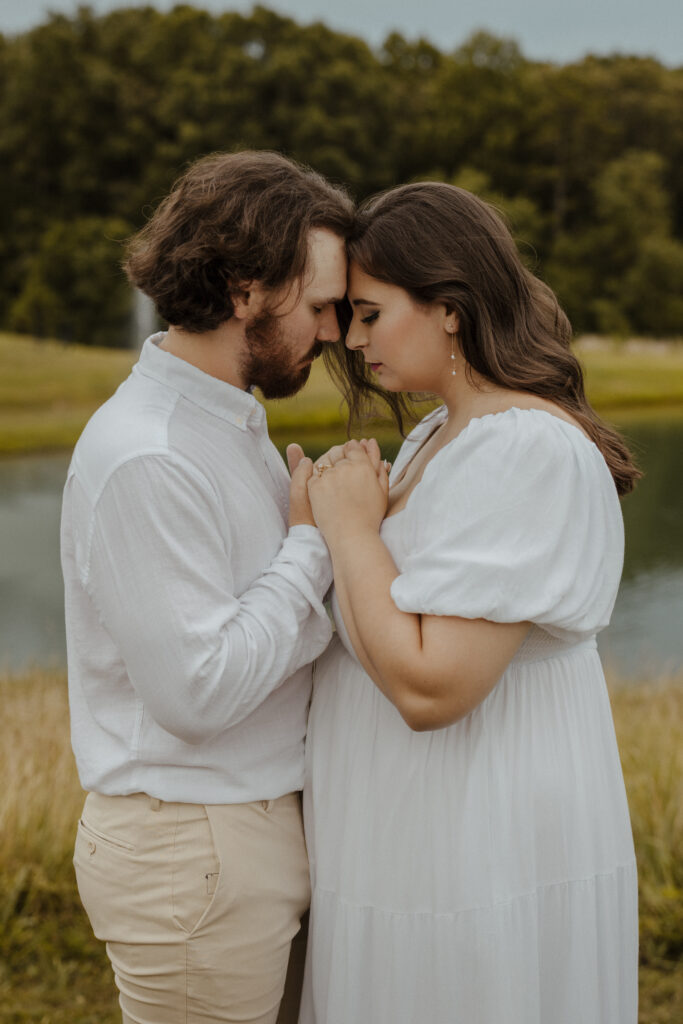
(301, 469)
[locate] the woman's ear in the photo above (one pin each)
(451, 321)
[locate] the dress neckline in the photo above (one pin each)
(441, 413)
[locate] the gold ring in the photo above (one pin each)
(319, 470)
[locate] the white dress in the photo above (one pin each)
(482, 873)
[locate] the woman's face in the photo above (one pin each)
(405, 344)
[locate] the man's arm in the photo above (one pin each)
(160, 577)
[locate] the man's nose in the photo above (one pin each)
(328, 328)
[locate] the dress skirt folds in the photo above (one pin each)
(482, 873)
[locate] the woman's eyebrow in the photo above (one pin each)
(363, 302)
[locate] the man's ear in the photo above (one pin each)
(247, 299)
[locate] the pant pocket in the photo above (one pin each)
(103, 867)
(96, 836)
(196, 870)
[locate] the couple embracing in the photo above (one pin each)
(467, 853)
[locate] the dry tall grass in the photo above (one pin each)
(53, 971)
(41, 798)
(649, 724)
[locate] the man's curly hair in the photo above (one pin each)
(230, 219)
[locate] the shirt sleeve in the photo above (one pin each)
(516, 520)
(159, 574)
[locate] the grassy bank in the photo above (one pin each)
(54, 972)
(48, 390)
(625, 376)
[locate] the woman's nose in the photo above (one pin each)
(355, 338)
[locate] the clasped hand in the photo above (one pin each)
(345, 490)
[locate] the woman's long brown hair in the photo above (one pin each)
(443, 244)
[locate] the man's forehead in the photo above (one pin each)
(327, 262)
(325, 248)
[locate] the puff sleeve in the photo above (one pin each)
(515, 520)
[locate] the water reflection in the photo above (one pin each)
(653, 513)
(31, 596)
(645, 635)
(646, 631)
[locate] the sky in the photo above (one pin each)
(557, 30)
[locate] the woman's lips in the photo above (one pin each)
(374, 366)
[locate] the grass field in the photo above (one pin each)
(48, 390)
(53, 971)
(632, 375)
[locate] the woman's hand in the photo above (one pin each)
(349, 494)
(330, 458)
(338, 451)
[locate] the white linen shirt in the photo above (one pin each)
(192, 613)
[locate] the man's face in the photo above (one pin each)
(281, 345)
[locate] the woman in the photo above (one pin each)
(467, 825)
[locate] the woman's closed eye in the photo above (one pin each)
(370, 318)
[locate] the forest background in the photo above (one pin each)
(99, 114)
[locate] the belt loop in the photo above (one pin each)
(154, 803)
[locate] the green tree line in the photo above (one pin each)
(99, 114)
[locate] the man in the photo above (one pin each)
(193, 613)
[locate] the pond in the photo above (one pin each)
(644, 639)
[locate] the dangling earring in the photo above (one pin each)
(451, 331)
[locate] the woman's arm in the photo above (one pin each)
(435, 669)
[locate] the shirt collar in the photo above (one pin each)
(216, 396)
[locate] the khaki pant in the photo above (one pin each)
(197, 904)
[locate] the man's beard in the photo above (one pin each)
(267, 361)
